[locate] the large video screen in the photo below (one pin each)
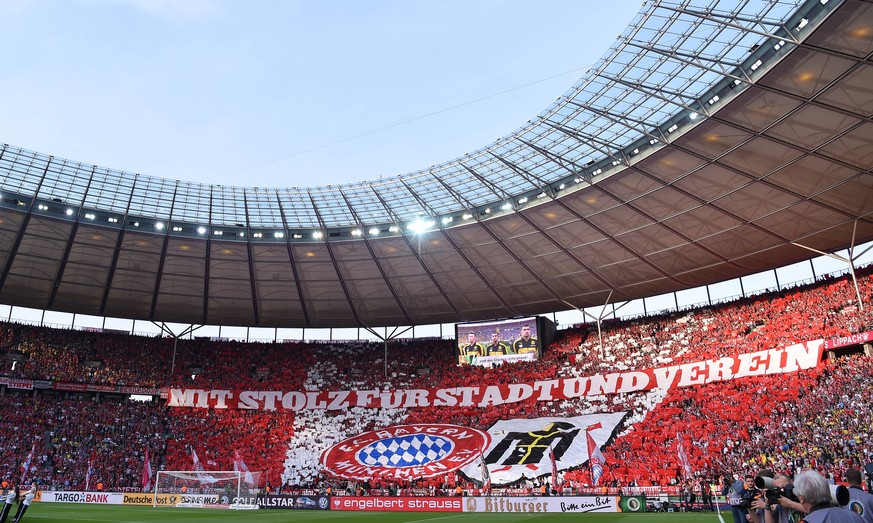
(497, 342)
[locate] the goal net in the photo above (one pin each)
(205, 489)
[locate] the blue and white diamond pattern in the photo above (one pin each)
(406, 451)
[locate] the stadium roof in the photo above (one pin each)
(713, 140)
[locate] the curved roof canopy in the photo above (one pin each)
(713, 140)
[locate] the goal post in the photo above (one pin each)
(203, 489)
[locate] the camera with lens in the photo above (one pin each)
(746, 499)
(775, 493)
(772, 492)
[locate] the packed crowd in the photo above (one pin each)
(69, 436)
(728, 426)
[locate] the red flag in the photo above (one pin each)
(90, 469)
(683, 458)
(595, 457)
(26, 466)
(147, 473)
(240, 466)
(200, 471)
(486, 476)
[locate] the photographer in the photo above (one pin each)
(778, 502)
(860, 502)
(814, 494)
(739, 496)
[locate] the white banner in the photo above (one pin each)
(541, 505)
(519, 448)
(90, 498)
(772, 361)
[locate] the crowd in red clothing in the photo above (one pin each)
(68, 436)
(806, 420)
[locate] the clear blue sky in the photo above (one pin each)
(287, 93)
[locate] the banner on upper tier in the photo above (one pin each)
(845, 341)
(784, 360)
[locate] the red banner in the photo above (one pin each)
(19, 384)
(766, 362)
(397, 504)
(851, 339)
(75, 387)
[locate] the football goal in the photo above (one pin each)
(204, 489)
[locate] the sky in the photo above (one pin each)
(287, 93)
(298, 93)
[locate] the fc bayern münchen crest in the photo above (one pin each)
(405, 452)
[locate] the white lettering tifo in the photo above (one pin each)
(785, 360)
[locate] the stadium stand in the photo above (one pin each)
(811, 420)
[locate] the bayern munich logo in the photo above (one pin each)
(405, 452)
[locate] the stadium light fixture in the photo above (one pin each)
(297, 236)
(447, 220)
(803, 23)
(90, 216)
(506, 207)
(318, 235)
(69, 212)
(693, 116)
(159, 226)
(373, 232)
(218, 233)
(278, 234)
(357, 232)
(467, 216)
(176, 228)
(393, 228)
(420, 226)
(201, 230)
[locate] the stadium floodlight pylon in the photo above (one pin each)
(203, 489)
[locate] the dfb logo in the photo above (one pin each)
(405, 452)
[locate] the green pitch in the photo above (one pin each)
(74, 513)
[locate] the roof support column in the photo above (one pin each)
(850, 261)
